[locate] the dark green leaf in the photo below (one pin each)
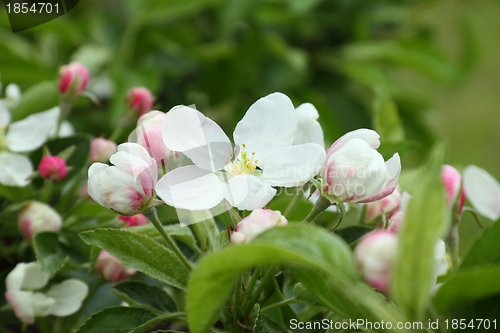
(303, 295)
(119, 320)
(40, 97)
(264, 324)
(426, 219)
(353, 233)
(141, 253)
(140, 294)
(467, 286)
(386, 119)
(182, 234)
(485, 250)
(48, 251)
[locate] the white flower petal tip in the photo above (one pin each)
(308, 128)
(68, 296)
(15, 169)
(483, 191)
(26, 276)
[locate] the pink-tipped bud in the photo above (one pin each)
(53, 168)
(101, 150)
(257, 222)
(386, 205)
(375, 255)
(112, 269)
(452, 181)
(395, 221)
(73, 79)
(38, 217)
(134, 220)
(139, 99)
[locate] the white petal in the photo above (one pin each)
(12, 94)
(440, 261)
(247, 192)
(26, 276)
(191, 188)
(136, 160)
(293, 165)
(188, 131)
(483, 191)
(66, 130)
(368, 135)
(14, 169)
(93, 187)
(308, 128)
(269, 123)
(4, 116)
(21, 304)
(31, 132)
(68, 296)
(393, 167)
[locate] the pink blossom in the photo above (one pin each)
(134, 220)
(257, 222)
(73, 79)
(102, 149)
(53, 168)
(139, 99)
(112, 269)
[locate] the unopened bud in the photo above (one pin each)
(101, 150)
(112, 269)
(134, 220)
(139, 99)
(73, 79)
(53, 168)
(255, 223)
(38, 217)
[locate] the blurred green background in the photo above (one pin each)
(416, 71)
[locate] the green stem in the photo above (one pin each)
(278, 304)
(321, 205)
(237, 300)
(294, 201)
(46, 190)
(452, 240)
(260, 289)
(341, 210)
(151, 214)
(65, 106)
(235, 216)
(253, 280)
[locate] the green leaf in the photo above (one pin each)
(48, 251)
(353, 233)
(141, 253)
(264, 324)
(386, 119)
(320, 260)
(143, 295)
(426, 219)
(485, 250)
(40, 97)
(182, 234)
(17, 194)
(467, 286)
(120, 319)
(206, 231)
(301, 294)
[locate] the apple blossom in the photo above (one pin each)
(53, 168)
(245, 176)
(308, 128)
(19, 137)
(375, 255)
(139, 99)
(73, 79)
(61, 300)
(149, 135)
(355, 171)
(386, 205)
(12, 96)
(36, 217)
(101, 150)
(127, 187)
(112, 269)
(483, 191)
(257, 222)
(452, 181)
(135, 220)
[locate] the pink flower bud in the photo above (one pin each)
(356, 172)
(139, 99)
(101, 150)
(386, 205)
(135, 220)
(112, 269)
(149, 135)
(375, 255)
(53, 168)
(452, 181)
(73, 79)
(395, 221)
(38, 217)
(257, 222)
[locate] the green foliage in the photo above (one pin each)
(426, 219)
(485, 250)
(48, 251)
(264, 325)
(141, 253)
(120, 320)
(142, 295)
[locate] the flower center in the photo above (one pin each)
(243, 164)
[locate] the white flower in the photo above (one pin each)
(483, 191)
(20, 137)
(128, 186)
(356, 172)
(441, 264)
(264, 157)
(62, 299)
(36, 217)
(12, 96)
(308, 128)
